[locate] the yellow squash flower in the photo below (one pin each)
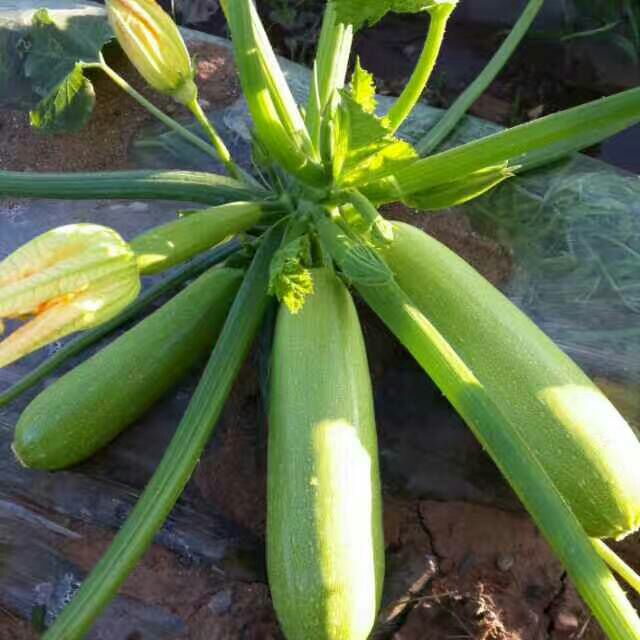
(153, 43)
(66, 280)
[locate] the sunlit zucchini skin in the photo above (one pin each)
(86, 408)
(585, 445)
(325, 548)
(175, 242)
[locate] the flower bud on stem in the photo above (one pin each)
(154, 45)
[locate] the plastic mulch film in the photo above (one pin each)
(575, 235)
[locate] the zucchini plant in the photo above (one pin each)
(308, 215)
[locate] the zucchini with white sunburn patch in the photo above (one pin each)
(325, 550)
(584, 444)
(89, 406)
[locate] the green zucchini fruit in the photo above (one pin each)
(325, 549)
(588, 450)
(89, 406)
(170, 244)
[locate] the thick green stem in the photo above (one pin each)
(182, 455)
(89, 338)
(278, 124)
(456, 111)
(617, 564)
(256, 37)
(332, 60)
(380, 228)
(181, 186)
(216, 140)
(419, 79)
(508, 449)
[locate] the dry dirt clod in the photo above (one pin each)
(505, 562)
(566, 622)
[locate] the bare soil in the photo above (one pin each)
(213, 607)
(13, 628)
(454, 229)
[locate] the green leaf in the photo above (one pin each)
(68, 107)
(358, 13)
(58, 49)
(289, 279)
(366, 129)
(363, 88)
(57, 46)
(390, 156)
(522, 148)
(457, 192)
(372, 150)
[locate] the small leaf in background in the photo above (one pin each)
(57, 46)
(290, 280)
(15, 91)
(68, 107)
(363, 88)
(358, 13)
(54, 65)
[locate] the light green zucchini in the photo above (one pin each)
(325, 550)
(170, 244)
(585, 445)
(89, 406)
